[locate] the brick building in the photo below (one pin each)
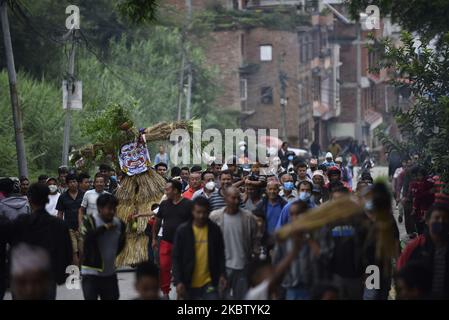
(377, 95)
(265, 68)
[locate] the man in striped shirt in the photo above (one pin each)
(216, 199)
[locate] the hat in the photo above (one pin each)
(318, 173)
(338, 159)
(313, 161)
(329, 156)
(333, 170)
(51, 178)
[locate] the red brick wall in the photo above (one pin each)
(223, 52)
(285, 47)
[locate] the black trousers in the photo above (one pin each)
(105, 288)
(409, 219)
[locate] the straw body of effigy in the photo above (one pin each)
(137, 194)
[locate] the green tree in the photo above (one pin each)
(43, 126)
(426, 17)
(425, 126)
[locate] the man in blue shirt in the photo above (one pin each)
(329, 160)
(271, 206)
(305, 193)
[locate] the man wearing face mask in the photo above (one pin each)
(313, 166)
(432, 249)
(288, 191)
(272, 206)
(305, 194)
(317, 194)
(53, 197)
(209, 186)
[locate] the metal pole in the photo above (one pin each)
(181, 83)
(70, 84)
(283, 102)
(358, 125)
(16, 112)
(189, 93)
(189, 65)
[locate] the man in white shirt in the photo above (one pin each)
(53, 197)
(89, 203)
(209, 186)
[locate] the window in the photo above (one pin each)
(300, 94)
(309, 40)
(266, 52)
(316, 88)
(267, 95)
(302, 50)
(243, 90)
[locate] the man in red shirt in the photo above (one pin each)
(194, 185)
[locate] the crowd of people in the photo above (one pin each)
(213, 234)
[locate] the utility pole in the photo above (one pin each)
(70, 88)
(283, 102)
(189, 65)
(16, 112)
(181, 81)
(358, 125)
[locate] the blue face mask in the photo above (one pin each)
(290, 158)
(289, 185)
(304, 196)
(369, 206)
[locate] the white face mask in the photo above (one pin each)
(53, 188)
(210, 185)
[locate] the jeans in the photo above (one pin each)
(378, 294)
(409, 219)
(297, 294)
(237, 284)
(105, 288)
(151, 253)
(207, 292)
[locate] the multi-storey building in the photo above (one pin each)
(278, 76)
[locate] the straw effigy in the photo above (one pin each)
(136, 195)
